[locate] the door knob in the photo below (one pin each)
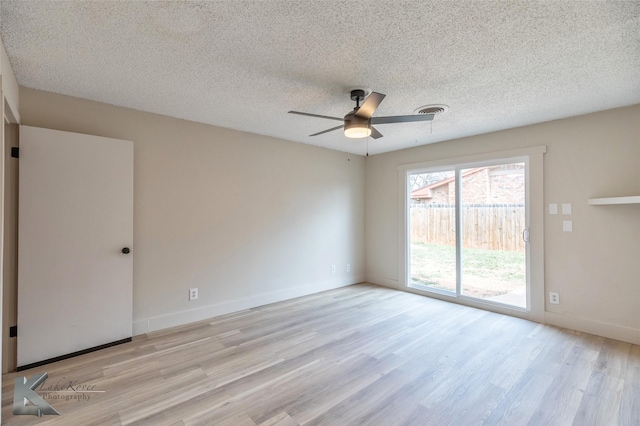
(126, 250)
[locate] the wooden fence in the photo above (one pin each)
(485, 226)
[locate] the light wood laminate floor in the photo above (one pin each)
(356, 355)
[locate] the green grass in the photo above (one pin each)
(485, 273)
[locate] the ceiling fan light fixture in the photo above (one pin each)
(357, 130)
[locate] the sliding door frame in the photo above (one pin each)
(533, 158)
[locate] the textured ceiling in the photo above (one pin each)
(244, 64)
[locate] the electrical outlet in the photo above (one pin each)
(554, 298)
(348, 267)
(333, 269)
(193, 294)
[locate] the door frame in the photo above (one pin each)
(533, 157)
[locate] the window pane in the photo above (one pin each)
(493, 219)
(432, 225)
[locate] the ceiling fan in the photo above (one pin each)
(359, 122)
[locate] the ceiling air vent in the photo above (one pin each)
(432, 109)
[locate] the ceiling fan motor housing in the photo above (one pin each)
(356, 127)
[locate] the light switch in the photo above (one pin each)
(566, 208)
(567, 225)
(553, 208)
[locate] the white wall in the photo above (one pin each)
(247, 219)
(596, 268)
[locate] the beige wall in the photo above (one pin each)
(9, 86)
(10, 104)
(10, 261)
(596, 268)
(247, 219)
(250, 219)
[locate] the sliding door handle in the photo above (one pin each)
(525, 235)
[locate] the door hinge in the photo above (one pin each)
(13, 331)
(15, 152)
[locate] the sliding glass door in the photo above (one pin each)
(467, 231)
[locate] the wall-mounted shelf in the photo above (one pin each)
(635, 199)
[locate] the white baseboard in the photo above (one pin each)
(385, 282)
(185, 317)
(611, 331)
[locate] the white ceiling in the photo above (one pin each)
(244, 64)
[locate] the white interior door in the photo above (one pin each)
(75, 284)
